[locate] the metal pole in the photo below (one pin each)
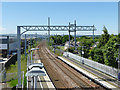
(119, 17)
(48, 29)
(75, 34)
(56, 40)
(8, 45)
(93, 34)
(31, 43)
(69, 34)
(27, 67)
(31, 56)
(23, 80)
(31, 83)
(119, 45)
(36, 37)
(35, 82)
(19, 56)
(27, 83)
(119, 64)
(28, 59)
(25, 45)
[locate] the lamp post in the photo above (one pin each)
(32, 49)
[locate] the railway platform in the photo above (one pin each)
(109, 83)
(43, 82)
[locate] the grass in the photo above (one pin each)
(57, 51)
(61, 47)
(12, 83)
(14, 68)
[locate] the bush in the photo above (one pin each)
(71, 49)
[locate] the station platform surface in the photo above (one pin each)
(43, 82)
(99, 77)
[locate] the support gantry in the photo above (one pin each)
(71, 28)
(69, 34)
(75, 34)
(48, 29)
(19, 55)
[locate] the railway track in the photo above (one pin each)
(61, 74)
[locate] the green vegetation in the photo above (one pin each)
(103, 49)
(12, 79)
(106, 51)
(13, 83)
(13, 68)
(59, 40)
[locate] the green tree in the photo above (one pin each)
(104, 38)
(66, 38)
(98, 56)
(71, 49)
(92, 53)
(110, 52)
(58, 39)
(119, 38)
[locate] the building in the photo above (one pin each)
(8, 45)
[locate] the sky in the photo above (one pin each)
(60, 13)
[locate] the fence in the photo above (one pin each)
(59, 52)
(2, 75)
(101, 67)
(6, 77)
(12, 60)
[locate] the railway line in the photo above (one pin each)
(62, 75)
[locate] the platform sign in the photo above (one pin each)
(3, 46)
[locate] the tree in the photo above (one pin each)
(98, 56)
(104, 38)
(119, 38)
(110, 52)
(58, 39)
(92, 53)
(71, 49)
(66, 38)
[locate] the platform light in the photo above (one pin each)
(34, 49)
(40, 65)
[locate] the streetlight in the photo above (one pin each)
(32, 49)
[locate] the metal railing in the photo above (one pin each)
(101, 67)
